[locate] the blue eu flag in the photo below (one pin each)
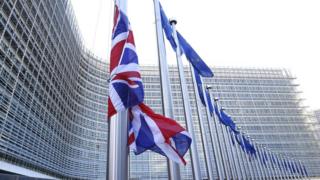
(199, 85)
(209, 102)
(186, 48)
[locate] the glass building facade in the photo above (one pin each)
(52, 94)
(317, 115)
(53, 101)
(264, 102)
(317, 124)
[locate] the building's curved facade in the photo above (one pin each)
(53, 93)
(53, 100)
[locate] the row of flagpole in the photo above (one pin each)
(232, 169)
(231, 161)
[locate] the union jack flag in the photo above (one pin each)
(151, 131)
(125, 87)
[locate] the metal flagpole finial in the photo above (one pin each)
(173, 21)
(208, 87)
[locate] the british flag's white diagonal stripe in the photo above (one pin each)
(136, 123)
(125, 68)
(115, 100)
(135, 79)
(132, 145)
(130, 46)
(118, 38)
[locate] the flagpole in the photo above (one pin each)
(244, 158)
(291, 165)
(283, 172)
(222, 152)
(236, 168)
(118, 136)
(202, 127)
(232, 164)
(281, 169)
(232, 169)
(294, 165)
(240, 159)
(247, 155)
(272, 163)
(187, 107)
(226, 152)
(291, 171)
(297, 170)
(167, 103)
(300, 170)
(235, 157)
(226, 161)
(285, 168)
(262, 166)
(278, 168)
(271, 166)
(303, 173)
(259, 167)
(247, 158)
(236, 154)
(288, 167)
(267, 163)
(118, 148)
(215, 140)
(254, 166)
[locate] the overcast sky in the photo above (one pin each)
(246, 33)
